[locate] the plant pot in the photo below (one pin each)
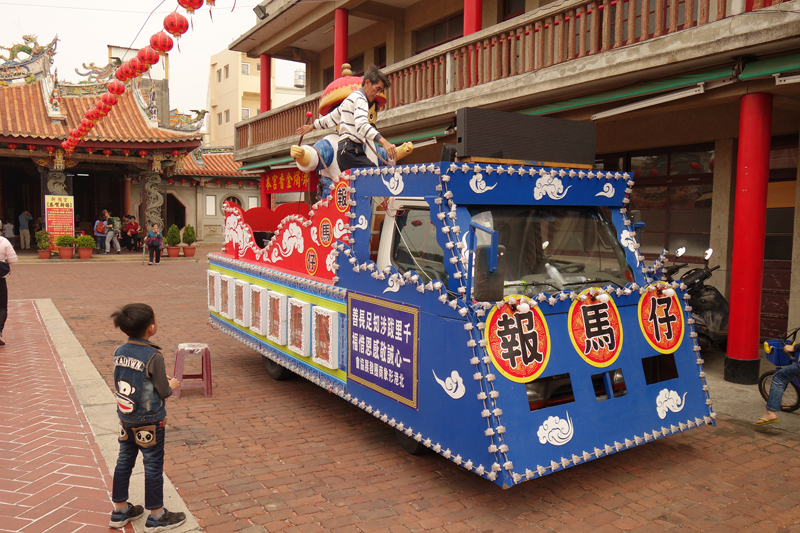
(173, 251)
(189, 251)
(44, 254)
(85, 253)
(65, 252)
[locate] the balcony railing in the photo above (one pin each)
(541, 38)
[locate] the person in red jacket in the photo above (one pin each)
(131, 233)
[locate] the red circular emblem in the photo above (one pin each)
(341, 196)
(518, 342)
(325, 232)
(312, 261)
(595, 329)
(661, 318)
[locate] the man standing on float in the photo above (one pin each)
(355, 129)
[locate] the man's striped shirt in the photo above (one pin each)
(352, 116)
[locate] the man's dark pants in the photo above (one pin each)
(351, 154)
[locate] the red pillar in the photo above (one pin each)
(473, 16)
(749, 231)
(266, 83)
(339, 41)
(264, 193)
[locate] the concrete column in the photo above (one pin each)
(794, 299)
(750, 221)
(395, 43)
(473, 16)
(722, 202)
(266, 82)
(340, 34)
(154, 196)
(200, 212)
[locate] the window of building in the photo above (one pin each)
(357, 65)
(227, 116)
(211, 205)
(258, 111)
(246, 69)
(673, 194)
(252, 201)
(227, 71)
(219, 75)
(258, 67)
(380, 56)
(441, 32)
(513, 8)
(219, 119)
(245, 113)
(327, 76)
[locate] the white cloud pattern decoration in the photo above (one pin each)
(330, 261)
(557, 431)
(394, 284)
(292, 240)
(362, 223)
(478, 185)
(395, 183)
(608, 191)
(453, 386)
(339, 229)
(669, 400)
(550, 186)
(313, 232)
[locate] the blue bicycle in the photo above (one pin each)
(775, 355)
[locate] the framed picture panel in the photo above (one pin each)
(325, 337)
(299, 327)
(226, 296)
(212, 282)
(276, 307)
(259, 312)
(241, 303)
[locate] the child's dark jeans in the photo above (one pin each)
(149, 438)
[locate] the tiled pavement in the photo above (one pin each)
(261, 455)
(52, 477)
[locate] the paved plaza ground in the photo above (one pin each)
(261, 455)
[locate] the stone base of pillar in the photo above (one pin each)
(742, 371)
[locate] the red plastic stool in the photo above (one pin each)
(201, 380)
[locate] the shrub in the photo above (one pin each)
(189, 236)
(85, 241)
(173, 236)
(44, 240)
(65, 241)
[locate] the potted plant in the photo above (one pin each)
(44, 241)
(189, 238)
(85, 244)
(65, 245)
(173, 239)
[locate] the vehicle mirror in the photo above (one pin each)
(680, 251)
(708, 253)
(489, 285)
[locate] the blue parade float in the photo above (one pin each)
(498, 313)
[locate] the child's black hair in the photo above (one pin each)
(134, 319)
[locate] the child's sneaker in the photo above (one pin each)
(120, 519)
(167, 521)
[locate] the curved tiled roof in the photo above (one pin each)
(214, 164)
(23, 115)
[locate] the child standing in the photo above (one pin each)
(142, 386)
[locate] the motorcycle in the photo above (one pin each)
(709, 307)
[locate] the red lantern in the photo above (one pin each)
(176, 24)
(66, 145)
(142, 153)
(89, 151)
(148, 55)
(74, 133)
(217, 182)
(183, 182)
(124, 72)
(102, 109)
(126, 152)
(107, 152)
(210, 3)
(240, 183)
(109, 100)
(170, 181)
(87, 124)
(228, 182)
(50, 149)
(30, 147)
(161, 43)
(138, 67)
(176, 152)
(116, 87)
(191, 5)
(12, 146)
(81, 132)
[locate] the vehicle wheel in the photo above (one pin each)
(276, 371)
(410, 445)
(791, 397)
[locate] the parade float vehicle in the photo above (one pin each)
(502, 315)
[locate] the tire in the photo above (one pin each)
(791, 397)
(410, 445)
(276, 371)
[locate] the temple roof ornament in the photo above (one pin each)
(26, 62)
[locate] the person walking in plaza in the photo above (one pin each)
(24, 230)
(355, 129)
(99, 229)
(7, 255)
(142, 386)
(112, 226)
(154, 240)
(780, 380)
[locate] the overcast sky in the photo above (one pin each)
(86, 27)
